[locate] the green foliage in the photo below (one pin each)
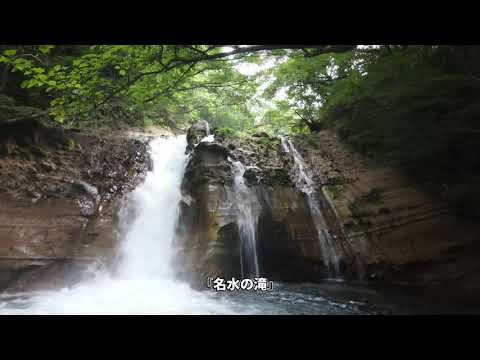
(225, 131)
(307, 83)
(169, 85)
(9, 109)
(71, 144)
(415, 107)
(281, 120)
(265, 141)
(410, 106)
(336, 190)
(10, 52)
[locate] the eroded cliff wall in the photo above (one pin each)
(209, 239)
(390, 229)
(59, 201)
(405, 234)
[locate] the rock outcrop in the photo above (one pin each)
(209, 240)
(59, 202)
(404, 234)
(392, 231)
(60, 196)
(196, 133)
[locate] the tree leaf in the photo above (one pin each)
(10, 52)
(45, 49)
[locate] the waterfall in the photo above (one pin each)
(146, 250)
(331, 255)
(247, 210)
(144, 282)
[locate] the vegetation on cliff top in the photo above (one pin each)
(416, 107)
(411, 106)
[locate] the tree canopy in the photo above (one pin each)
(415, 106)
(148, 82)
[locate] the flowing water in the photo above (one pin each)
(144, 282)
(247, 209)
(331, 255)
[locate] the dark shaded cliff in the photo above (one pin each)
(391, 231)
(406, 234)
(209, 239)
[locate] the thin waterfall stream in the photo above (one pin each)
(247, 206)
(330, 253)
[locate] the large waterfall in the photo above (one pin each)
(144, 282)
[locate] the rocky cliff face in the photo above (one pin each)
(209, 238)
(60, 195)
(388, 228)
(404, 234)
(59, 199)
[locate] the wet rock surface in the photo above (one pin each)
(59, 198)
(197, 132)
(404, 234)
(400, 233)
(208, 235)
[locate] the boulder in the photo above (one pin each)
(196, 133)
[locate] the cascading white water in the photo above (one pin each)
(144, 282)
(246, 205)
(330, 254)
(146, 250)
